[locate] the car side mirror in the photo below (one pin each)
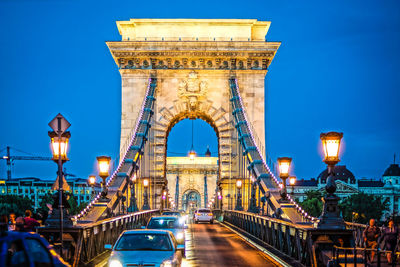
(108, 246)
(180, 247)
(142, 227)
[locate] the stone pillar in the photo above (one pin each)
(177, 192)
(205, 190)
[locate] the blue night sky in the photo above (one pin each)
(337, 69)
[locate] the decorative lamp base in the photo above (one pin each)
(330, 217)
(54, 219)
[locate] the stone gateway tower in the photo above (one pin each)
(193, 60)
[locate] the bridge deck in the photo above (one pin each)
(216, 245)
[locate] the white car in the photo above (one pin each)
(203, 215)
(145, 248)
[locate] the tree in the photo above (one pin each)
(49, 199)
(15, 204)
(313, 203)
(43, 209)
(362, 207)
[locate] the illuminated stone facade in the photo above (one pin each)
(191, 175)
(193, 60)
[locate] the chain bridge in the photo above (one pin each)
(214, 70)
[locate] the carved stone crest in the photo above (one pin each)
(192, 91)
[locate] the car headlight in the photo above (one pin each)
(115, 263)
(167, 263)
(179, 236)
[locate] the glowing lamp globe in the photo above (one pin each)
(104, 165)
(59, 146)
(192, 154)
(146, 182)
(331, 147)
(292, 180)
(284, 166)
(239, 183)
(92, 180)
(133, 178)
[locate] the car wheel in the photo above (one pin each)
(196, 222)
(212, 221)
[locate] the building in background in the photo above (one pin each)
(36, 189)
(388, 187)
(192, 181)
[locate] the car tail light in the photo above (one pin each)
(210, 214)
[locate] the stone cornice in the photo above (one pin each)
(193, 55)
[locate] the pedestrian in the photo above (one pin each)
(390, 235)
(20, 224)
(30, 223)
(11, 222)
(371, 235)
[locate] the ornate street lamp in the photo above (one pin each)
(59, 148)
(146, 205)
(239, 195)
(284, 167)
(104, 168)
(133, 204)
(253, 202)
(330, 217)
(92, 182)
(292, 181)
(163, 199)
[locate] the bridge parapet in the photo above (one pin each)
(288, 241)
(298, 244)
(85, 241)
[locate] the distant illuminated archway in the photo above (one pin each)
(191, 200)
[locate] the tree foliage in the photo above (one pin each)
(16, 204)
(362, 207)
(313, 203)
(74, 207)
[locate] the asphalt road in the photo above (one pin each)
(215, 245)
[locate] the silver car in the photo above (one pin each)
(157, 248)
(171, 223)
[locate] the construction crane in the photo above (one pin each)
(10, 160)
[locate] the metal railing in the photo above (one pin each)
(86, 241)
(282, 238)
(343, 256)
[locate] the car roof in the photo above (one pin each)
(146, 231)
(10, 235)
(165, 217)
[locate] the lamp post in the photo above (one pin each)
(239, 195)
(292, 181)
(145, 195)
(284, 166)
(253, 202)
(163, 199)
(330, 217)
(133, 207)
(104, 167)
(92, 182)
(59, 147)
(192, 152)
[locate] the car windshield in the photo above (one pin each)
(164, 223)
(204, 211)
(144, 242)
(174, 213)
